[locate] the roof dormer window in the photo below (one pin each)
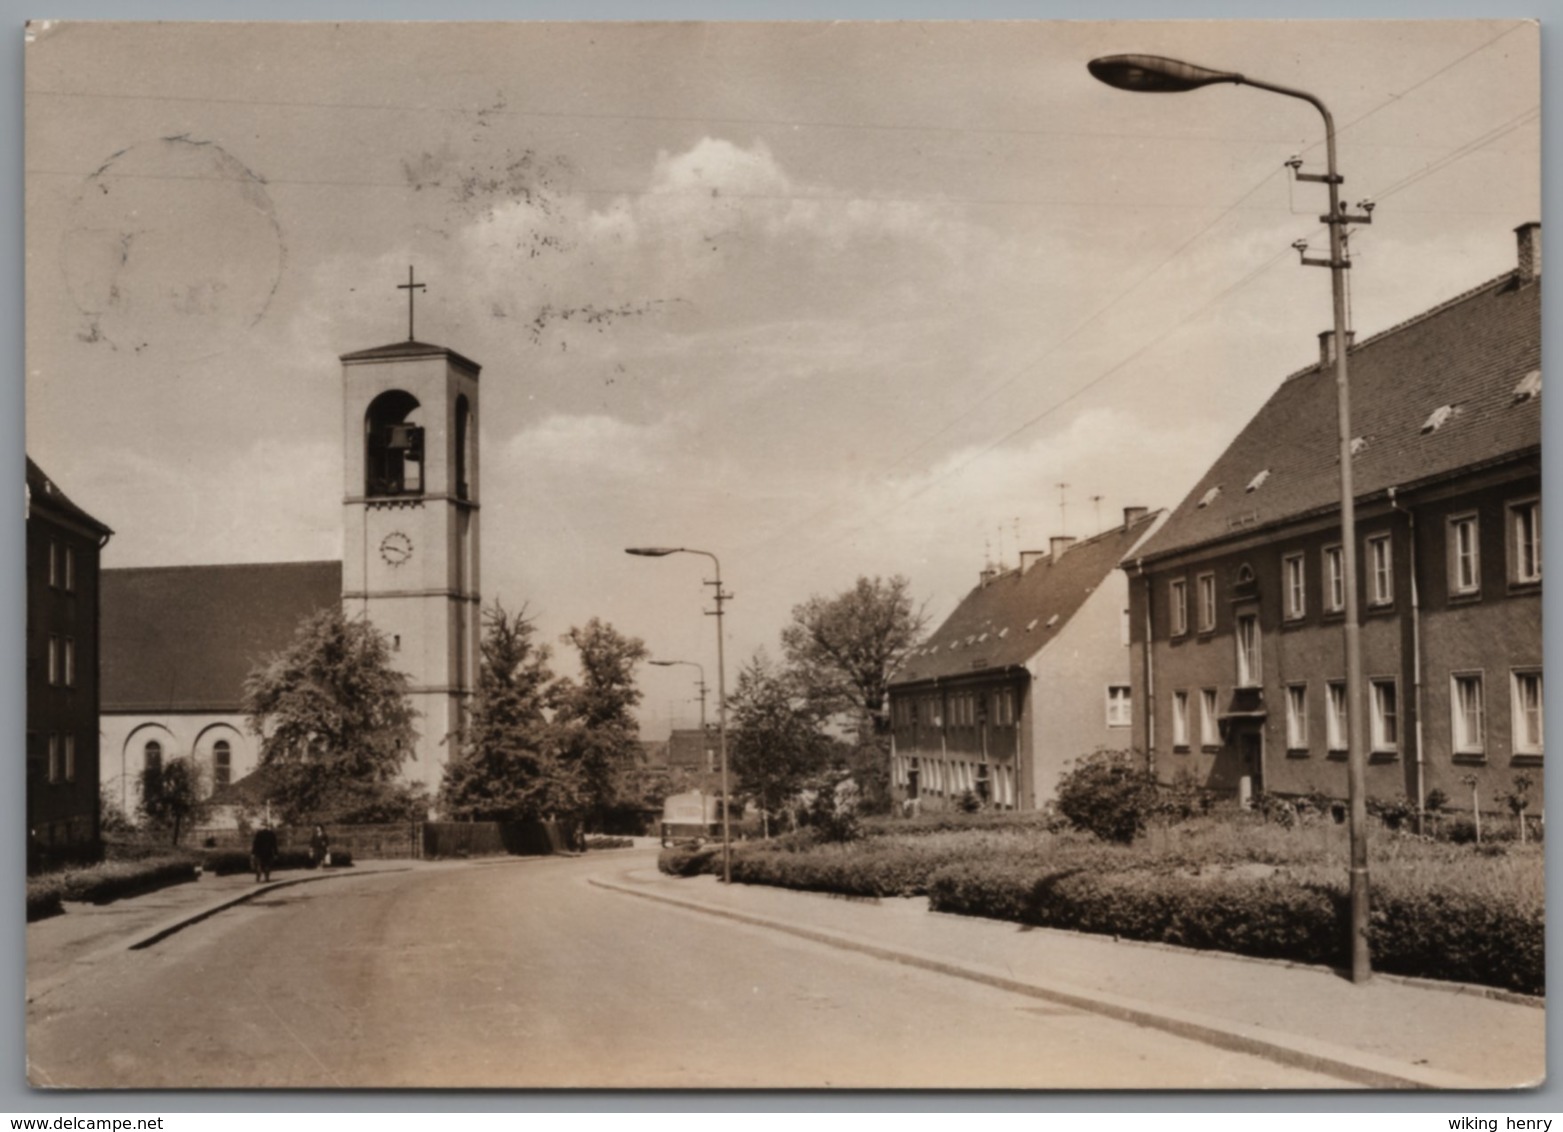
(1529, 387)
(1258, 481)
(1210, 496)
(1437, 419)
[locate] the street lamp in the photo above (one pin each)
(701, 684)
(721, 684)
(1157, 75)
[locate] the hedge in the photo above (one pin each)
(43, 898)
(1464, 937)
(114, 880)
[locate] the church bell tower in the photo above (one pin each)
(410, 536)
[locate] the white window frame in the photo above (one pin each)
(56, 652)
(1461, 725)
(1337, 716)
(1205, 586)
(1120, 705)
(1250, 651)
(1379, 553)
(68, 677)
(1209, 724)
(1178, 604)
(70, 569)
(1297, 717)
(1383, 722)
(1294, 578)
(54, 756)
(1461, 584)
(1522, 742)
(1334, 565)
(70, 757)
(54, 564)
(1180, 718)
(1525, 547)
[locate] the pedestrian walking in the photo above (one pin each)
(319, 847)
(263, 852)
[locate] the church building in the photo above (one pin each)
(179, 641)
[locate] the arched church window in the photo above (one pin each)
(463, 422)
(152, 776)
(393, 445)
(222, 763)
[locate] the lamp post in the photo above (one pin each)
(701, 684)
(1157, 75)
(721, 684)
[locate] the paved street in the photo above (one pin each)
(521, 973)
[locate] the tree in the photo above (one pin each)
(777, 743)
(843, 650)
(333, 717)
(597, 733)
(173, 797)
(510, 766)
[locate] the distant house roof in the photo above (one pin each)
(183, 638)
(1456, 387)
(1007, 620)
(410, 349)
(43, 494)
(686, 746)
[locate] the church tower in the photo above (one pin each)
(410, 536)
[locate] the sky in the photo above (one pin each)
(824, 299)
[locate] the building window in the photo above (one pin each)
(70, 758)
(1297, 717)
(1467, 714)
(1334, 579)
(54, 564)
(1296, 579)
(54, 757)
(1386, 716)
(1119, 711)
(1465, 573)
(1526, 694)
(54, 660)
(1178, 604)
(222, 763)
(152, 775)
(1381, 576)
(1207, 602)
(1209, 725)
(1525, 542)
(68, 659)
(1336, 722)
(1180, 719)
(1250, 671)
(70, 569)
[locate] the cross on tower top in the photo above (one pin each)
(410, 287)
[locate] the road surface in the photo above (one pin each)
(521, 974)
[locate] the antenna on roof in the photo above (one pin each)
(1063, 527)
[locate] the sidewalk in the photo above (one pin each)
(1386, 1033)
(85, 930)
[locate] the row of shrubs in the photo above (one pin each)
(109, 881)
(1454, 935)
(606, 841)
(229, 862)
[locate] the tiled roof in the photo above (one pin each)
(1009, 619)
(44, 494)
(183, 638)
(1471, 354)
(411, 349)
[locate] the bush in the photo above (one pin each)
(1108, 793)
(600, 841)
(339, 859)
(226, 862)
(43, 898)
(690, 860)
(114, 880)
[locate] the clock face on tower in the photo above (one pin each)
(396, 548)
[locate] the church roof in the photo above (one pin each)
(1012, 616)
(411, 349)
(45, 495)
(183, 638)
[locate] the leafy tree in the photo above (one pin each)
(510, 764)
(173, 798)
(332, 714)
(843, 650)
(597, 733)
(776, 744)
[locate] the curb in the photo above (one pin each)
(186, 919)
(1299, 1052)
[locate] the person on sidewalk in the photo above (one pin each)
(319, 847)
(263, 852)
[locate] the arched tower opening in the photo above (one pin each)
(393, 445)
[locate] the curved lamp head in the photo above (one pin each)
(1155, 74)
(651, 551)
(666, 663)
